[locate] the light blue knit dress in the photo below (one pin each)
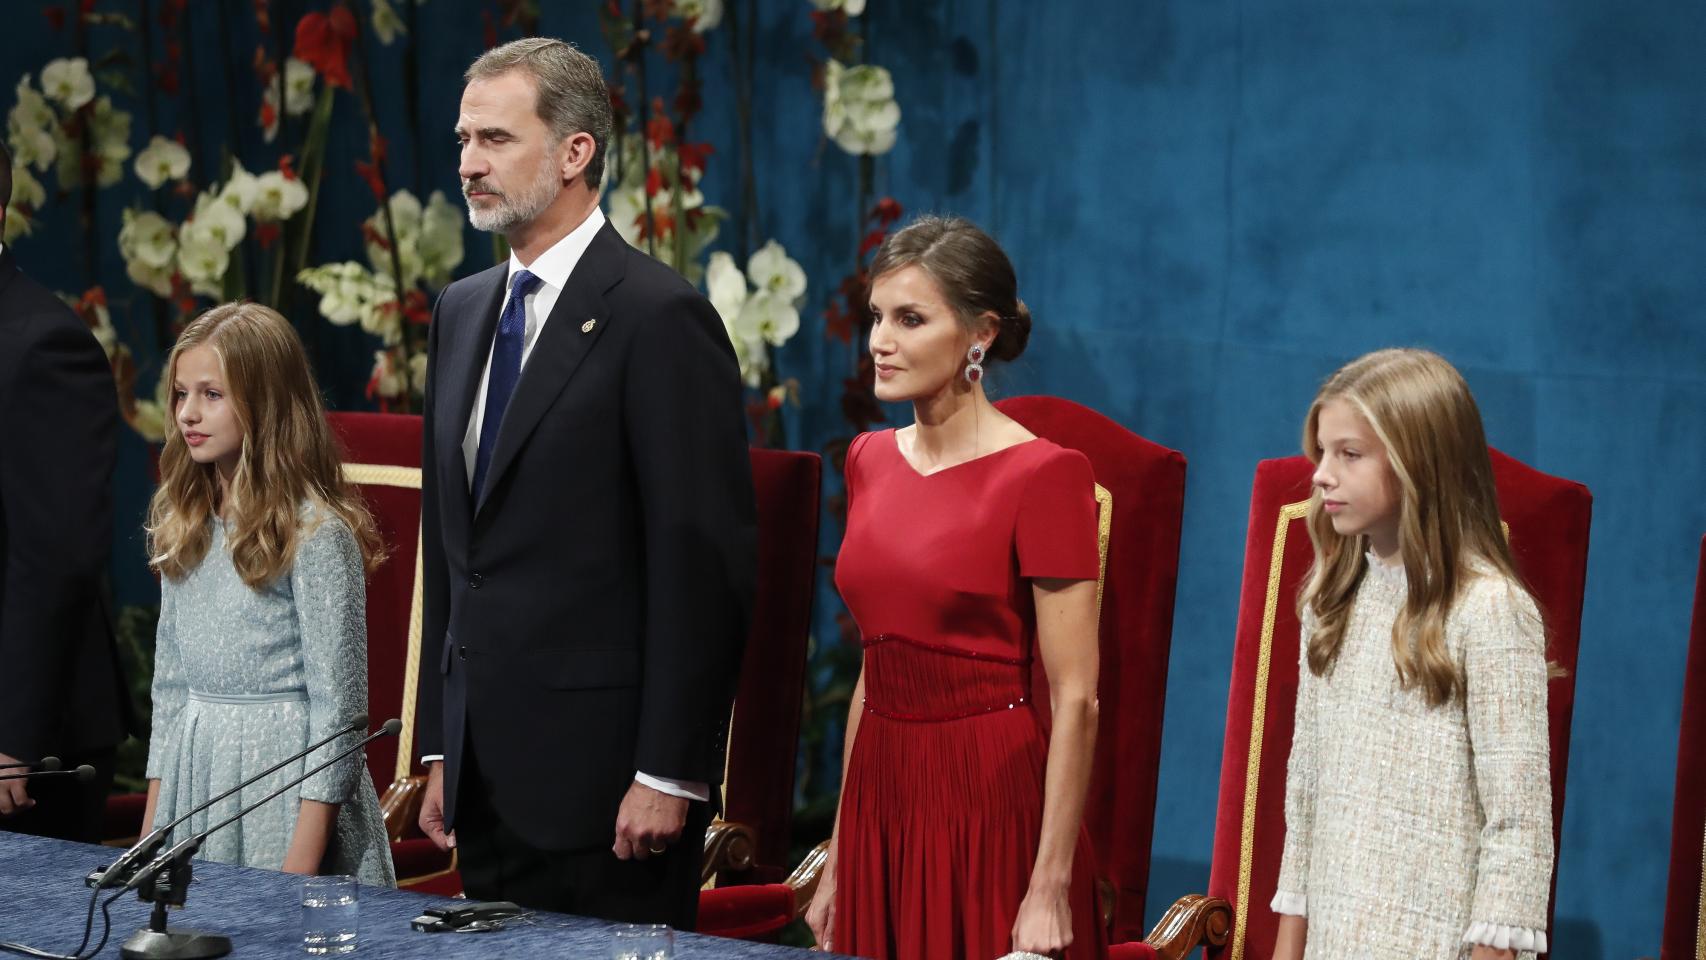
(243, 678)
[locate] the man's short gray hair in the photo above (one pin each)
(572, 97)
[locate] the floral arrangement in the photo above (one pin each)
(67, 125)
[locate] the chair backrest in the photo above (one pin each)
(1547, 520)
(765, 731)
(1685, 934)
(1147, 484)
(382, 456)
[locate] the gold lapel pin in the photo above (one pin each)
(587, 326)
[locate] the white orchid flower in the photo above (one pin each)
(148, 238)
(202, 259)
(706, 14)
(725, 287)
(859, 110)
(162, 160)
(277, 197)
(69, 82)
(772, 271)
(214, 220)
(769, 318)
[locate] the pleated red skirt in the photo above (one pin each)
(942, 809)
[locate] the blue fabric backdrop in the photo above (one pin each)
(1212, 204)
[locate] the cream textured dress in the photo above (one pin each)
(1414, 832)
(244, 678)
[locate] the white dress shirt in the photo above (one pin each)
(553, 268)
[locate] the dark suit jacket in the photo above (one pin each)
(62, 689)
(586, 619)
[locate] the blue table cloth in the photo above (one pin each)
(42, 902)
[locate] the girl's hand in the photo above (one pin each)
(301, 863)
(1044, 923)
(1484, 952)
(820, 916)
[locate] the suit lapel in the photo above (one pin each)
(562, 345)
(466, 341)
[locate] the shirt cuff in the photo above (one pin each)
(1506, 938)
(434, 758)
(685, 789)
(1290, 904)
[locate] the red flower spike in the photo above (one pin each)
(370, 173)
(415, 308)
(267, 234)
(660, 130)
(287, 166)
(55, 17)
(166, 78)
(263, 19)
(886, 211)
(373, 236)
(654, 182)
(324, 45)
(872, 241)
(269, 116)
(693, 155)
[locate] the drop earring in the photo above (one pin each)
(974, 363)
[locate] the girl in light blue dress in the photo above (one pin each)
(262, 550)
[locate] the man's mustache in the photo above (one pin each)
(479, 186)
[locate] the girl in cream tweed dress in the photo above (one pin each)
(1418, 796)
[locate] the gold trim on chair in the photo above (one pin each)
(1104, 535)
(1258, 718)
(1700, 916)
(409, 478)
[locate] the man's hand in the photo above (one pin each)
(14, 798)
(649, 821)
(432, 808)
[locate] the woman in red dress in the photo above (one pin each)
(970, 552)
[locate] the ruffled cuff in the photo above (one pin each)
(1506, 938)
(1294, 904)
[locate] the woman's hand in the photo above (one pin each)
(1484, 952)
(820, 916)
(1044, 923)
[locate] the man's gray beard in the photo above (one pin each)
(514, 210)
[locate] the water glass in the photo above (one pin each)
(642, 941)
(330, 914)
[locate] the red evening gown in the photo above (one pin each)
(941, 811)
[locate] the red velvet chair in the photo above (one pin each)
(745, 851)
(1141, 496)
(1547, 519)
(1684, 934)
(382, 457)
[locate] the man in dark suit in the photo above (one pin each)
(61, 693)
(588, 526)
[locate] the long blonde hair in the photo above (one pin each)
(1422, 411)
(288, 456)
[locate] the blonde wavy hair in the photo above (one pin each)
(288, 457)
(1421, 409)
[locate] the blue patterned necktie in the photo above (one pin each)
(506, 370)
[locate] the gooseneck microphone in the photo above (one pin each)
(122, 869)
(83, 773)
(165, 881)
(45, 763)
(187, 848)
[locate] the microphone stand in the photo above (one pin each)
(165, 882)
(122, 870)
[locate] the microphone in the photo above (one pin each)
(144, 849)
(45, 763)
(84, 774)
(188, 848)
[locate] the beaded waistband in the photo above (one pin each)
(280, 696)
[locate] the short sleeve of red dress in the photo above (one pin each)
(1056, 530)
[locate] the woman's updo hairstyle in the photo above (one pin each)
(971, 270)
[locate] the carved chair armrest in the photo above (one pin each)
(401, 807)
(1193, 921)
(805, 877)
(729, 847)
